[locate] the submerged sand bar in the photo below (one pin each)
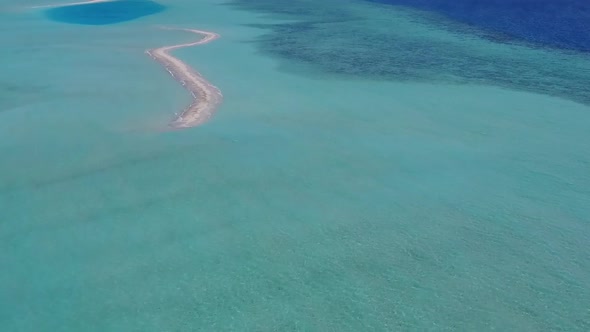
(206, 96)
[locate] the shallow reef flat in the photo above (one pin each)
(372, 167)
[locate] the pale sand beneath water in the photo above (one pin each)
(206, 96)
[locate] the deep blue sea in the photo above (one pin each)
(556, 23)
(102, 13)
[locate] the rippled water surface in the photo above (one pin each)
(373, 167)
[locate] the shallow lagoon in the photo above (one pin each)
(314, 200)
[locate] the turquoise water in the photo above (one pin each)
(323, 195)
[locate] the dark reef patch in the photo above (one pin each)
(373, 41)
(102, 13)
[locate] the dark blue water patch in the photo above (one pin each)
(103, 13)
(555, 23)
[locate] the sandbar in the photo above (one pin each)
(206, 96)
